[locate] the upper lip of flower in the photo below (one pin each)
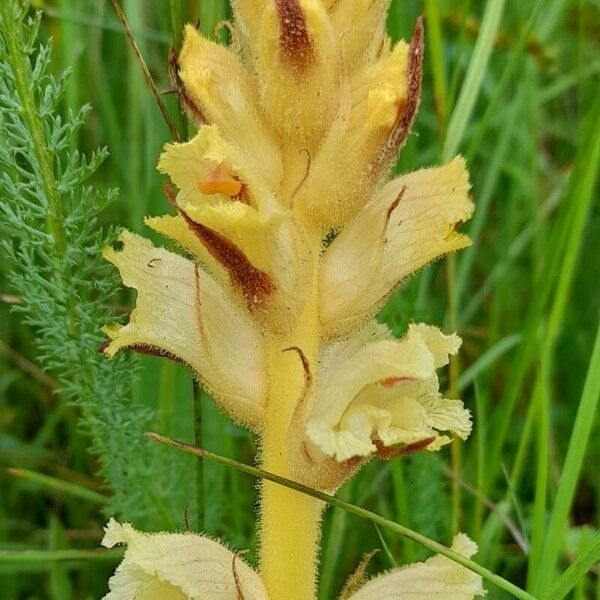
(411, 221)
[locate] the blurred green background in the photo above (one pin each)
(525, 298)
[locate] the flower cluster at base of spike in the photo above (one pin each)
(187, 566)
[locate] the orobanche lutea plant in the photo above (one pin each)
(294, 239)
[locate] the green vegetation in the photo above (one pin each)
(512, 86)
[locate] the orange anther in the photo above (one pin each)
(220, 181)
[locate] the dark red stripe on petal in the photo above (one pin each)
(170, 195)
(387, 453)
(294, 39)
(149, 350)
(392, 382)
(393, 206)
(407, 111)
(256, 285)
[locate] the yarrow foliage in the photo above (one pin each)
(299, 124)
(51, 241)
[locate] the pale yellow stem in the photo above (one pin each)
(290, 522)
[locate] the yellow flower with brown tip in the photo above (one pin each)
(292, 240)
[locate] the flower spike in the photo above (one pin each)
(293, 241)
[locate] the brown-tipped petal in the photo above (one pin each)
(341, 180)
(255, 285)
(297, 68)
(407, 111)
(222, 90)
(229, 213)
(193, 108)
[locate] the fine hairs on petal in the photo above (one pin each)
(178, 566)
(437, 577)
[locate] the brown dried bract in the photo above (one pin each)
(294, 39)
(191, 107)
(407, 111)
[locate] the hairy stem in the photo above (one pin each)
(290, 522)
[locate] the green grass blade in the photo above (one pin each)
(58, 485)
(474, 78)
(569, 579)
(436, 58)
(485, 195)
(571, 469)
(556, 280)
(487, 359)
(538, 520)
(333, 546)
(41, 557)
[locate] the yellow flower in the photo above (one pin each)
(376, 392)
(230, 220)
(436, 578)
(182, 313)
(177, 566)
(411, 221)
(186, 566)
